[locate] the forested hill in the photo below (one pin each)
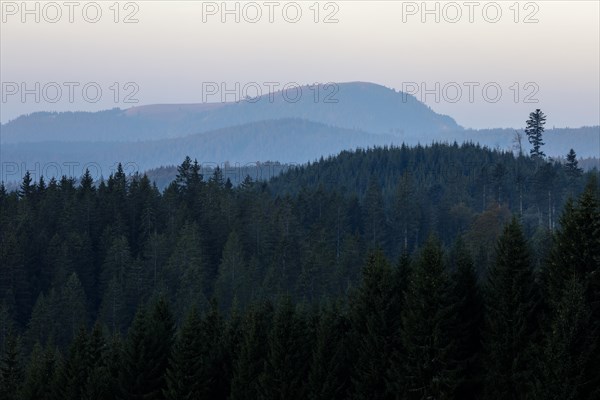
(80, 253)
(440, 187)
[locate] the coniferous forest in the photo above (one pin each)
(437, 272)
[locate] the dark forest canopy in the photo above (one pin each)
(381, 273)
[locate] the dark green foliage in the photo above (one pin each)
(214, 372)
(428, 316)
(374, 215)
(287, 361)
(468, 302)
(146, 354)
(511, 321)
(11, 371)
(375, 308)
(73, 374)
(74, 253)
(233, 273)
(330, 368)
(571, 354)
(184, 379)
(251, 358)
(566, 369)
(39, 375)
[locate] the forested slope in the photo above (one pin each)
(383, 273)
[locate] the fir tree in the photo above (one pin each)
(466, 334)
(511, 300)
(286, 365)
(11, 372)
(39, 374)
(146, 354)
(184, 379)
(534, 131)
(73, 373)
(330, 370)
(427, 318)
(375, 307)
(572, 166)
(232, 273)
(566, 370)
(250, 363)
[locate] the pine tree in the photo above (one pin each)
(11, 373)
(39, 374)
(214, 372)
(184, 381)
(427, 318)
(233, 273)
(330, 370)
(73, 374)
(146, 354)
(186, 271)
(250, 363)
(286, 365)
(7, 324)
(374, 215)
(73, 306)
(113, 310)
(27, 188)
(572, 166)
(534, 131)
(572, 268)
(576, 246)
(100, 382)
(40, 325)
(565, 370)
(510, 323)
(406, 211)
(468, 303)
(375, 308)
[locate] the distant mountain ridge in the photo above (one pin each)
(356, 105)
(146, 137)
(288, 140)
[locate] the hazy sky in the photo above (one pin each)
(176, 46)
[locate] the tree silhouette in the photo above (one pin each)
(534, 131)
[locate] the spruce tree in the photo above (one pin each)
(286, 366)
(146, 354)
(249, 366)
(534, 131)
(184, 381)
(73, 307)
(374, 215)
(375, 308)
(100, 382)
(566, 370)
(39, 374)
(73, 373)
(330, 369)
(429, 370)
(572, 165)
(511, 321)
(466, 333)
(214, 371)
(231, 281)
(576, 247)
(11, 371)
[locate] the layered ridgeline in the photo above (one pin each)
(364, 115)
(361, 106)
(277, 290)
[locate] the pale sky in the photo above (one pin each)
(175, 46)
